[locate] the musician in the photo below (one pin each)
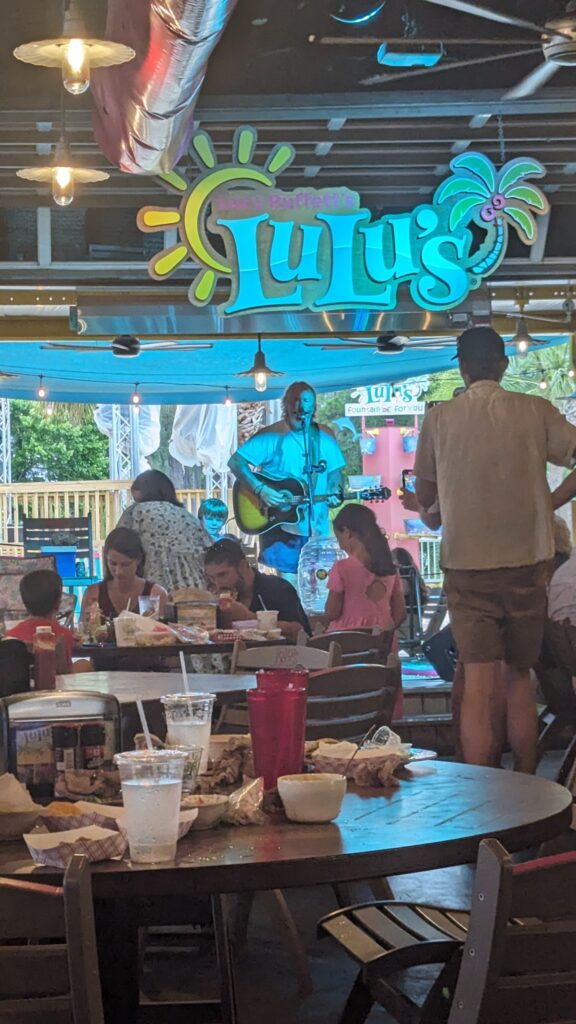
(298, 447)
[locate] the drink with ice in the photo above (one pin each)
(189, 721)
(151, 793)
(151, 812)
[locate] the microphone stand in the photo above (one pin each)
(309, 469)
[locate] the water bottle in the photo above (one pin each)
(316, 559)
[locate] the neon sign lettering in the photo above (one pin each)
(319, 249)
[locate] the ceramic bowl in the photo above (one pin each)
(312, 798)
(13, 824)
(211, 808)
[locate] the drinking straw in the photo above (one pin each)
(184, 672)
(144, 724)
(129, 603)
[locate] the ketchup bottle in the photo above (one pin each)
(44, 647)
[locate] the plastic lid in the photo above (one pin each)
(44, 630)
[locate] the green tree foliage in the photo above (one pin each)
(64, 446)
(523, 374)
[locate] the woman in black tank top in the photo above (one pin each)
(122, 585)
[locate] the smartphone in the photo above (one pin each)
(408, 480)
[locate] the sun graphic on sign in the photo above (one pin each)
(191, 216)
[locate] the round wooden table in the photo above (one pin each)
(436, 817)
(129, 687)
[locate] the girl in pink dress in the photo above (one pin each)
(365, 588)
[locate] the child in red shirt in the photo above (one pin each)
(41, 593)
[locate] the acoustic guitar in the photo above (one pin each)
(253, 516)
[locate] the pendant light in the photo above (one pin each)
(62, 174)
(74, 52)
(522, 339)
(259, 370)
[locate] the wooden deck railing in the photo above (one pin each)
(104, 499)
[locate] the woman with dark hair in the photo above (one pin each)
(365, 588)
(123, 581)
(173, 539)
(153, 485)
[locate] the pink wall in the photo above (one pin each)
(389, 460)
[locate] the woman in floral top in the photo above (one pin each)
(173, 539)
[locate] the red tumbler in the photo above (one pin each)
(277, 726)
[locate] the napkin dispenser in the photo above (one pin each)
(46, 734)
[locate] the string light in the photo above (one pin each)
(49, 408)
(572, 372)
(227, 400)
(41, 392)
(543, 383)
(136, 397)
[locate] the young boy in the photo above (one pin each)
(213, 515)
(41, 593)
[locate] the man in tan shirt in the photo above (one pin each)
(483, 456)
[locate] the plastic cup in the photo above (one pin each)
(151, 793)
(193, 756)
(189, 721)
(267, 620)
(149, 606)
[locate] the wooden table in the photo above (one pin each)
(109, 656)
(129, 687)
(436, 817)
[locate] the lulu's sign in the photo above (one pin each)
(386, 400)
(321, 249)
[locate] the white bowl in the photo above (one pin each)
(311, 798)
(211, 808)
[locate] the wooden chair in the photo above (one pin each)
(358, 646)
(512, 960)
(75, 531)
(344, 702)
(284, 656)
(235, 716)
(42, 980)
(15, 661)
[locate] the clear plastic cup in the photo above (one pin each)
(189, 721)
(149, 606)
(193, 757)
(151, 793)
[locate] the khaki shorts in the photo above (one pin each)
(498, 614)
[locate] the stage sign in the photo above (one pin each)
(387, 400)
(321, 249)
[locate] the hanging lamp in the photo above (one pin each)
(259, 370)
(74, 52)
(62, 174)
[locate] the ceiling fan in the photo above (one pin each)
(125, 346)
(558, 44)
(389, 344)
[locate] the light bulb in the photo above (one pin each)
(63, 185)
(41, 392)
(522, 347)
(227, 400)
(136, 397)
(543, 384)
(572, 372)
(260, 381)
(49, 408)
(76, 67)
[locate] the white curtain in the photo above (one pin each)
(148, 428)
(204, 435)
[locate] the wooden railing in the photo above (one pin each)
(104, 499)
